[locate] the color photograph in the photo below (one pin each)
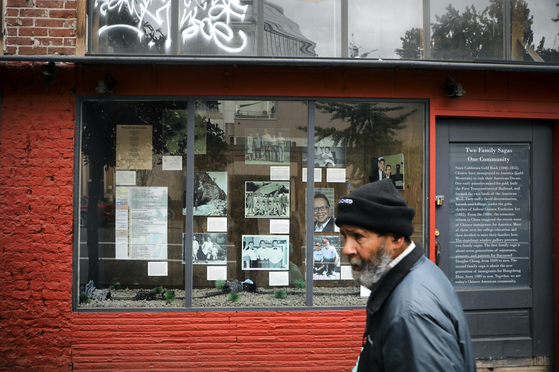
(326, 258)
(388, 166)
(324, 209)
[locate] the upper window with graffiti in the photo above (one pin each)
(471, 30)
(195, 27)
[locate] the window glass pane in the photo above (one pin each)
(131, 27)
(218, 27)
(376, 28)
(467, 30)
(298, 28)
(248, 233)
(131, 223)
(535, 30)
(357, 143)
(249, 198)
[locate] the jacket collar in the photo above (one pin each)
(384, 287)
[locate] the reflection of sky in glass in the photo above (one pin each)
(543, 11)
(318, 21)
(377, 26)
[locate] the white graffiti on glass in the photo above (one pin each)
(141, 10)
(215, 26)
(208, 18)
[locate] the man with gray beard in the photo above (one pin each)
(415, 321)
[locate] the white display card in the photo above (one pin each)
(279, 173)
(216, 273)
(279, 226)
(346, 272)
(158, 269)
(217, 224)
(278, 278)
(126, 178)
(317, 174)
(172, 163)
(335, 175)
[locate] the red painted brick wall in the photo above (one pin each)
(40, 27)
(39, 331)
(219, 341)
(36, 180)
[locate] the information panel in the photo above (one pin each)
(489, 215)
(141, 223)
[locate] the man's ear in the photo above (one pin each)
(399, 244)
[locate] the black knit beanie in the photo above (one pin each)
(376, 206)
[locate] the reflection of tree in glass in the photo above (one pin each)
(472, 34)
(549, 54)
(354, 50)
(369, 129)
(214, 158)
(411, 44)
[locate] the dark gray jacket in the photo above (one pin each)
(415, 322)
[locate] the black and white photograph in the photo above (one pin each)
(267, 199)
(265, 252)
(209, 249)
(267, 146)
(326, 257)
(327, 155)
(210, 194)
(388, 166)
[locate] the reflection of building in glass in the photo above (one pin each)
(203, 28)
(282, 36)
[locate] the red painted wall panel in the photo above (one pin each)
(39, 330)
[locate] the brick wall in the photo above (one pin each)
(36, 181)
(39, 331)
(219, 341)
(40, 27)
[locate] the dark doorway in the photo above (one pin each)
(495, 225)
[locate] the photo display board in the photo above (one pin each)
(489, 215)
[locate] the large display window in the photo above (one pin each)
(203, 203)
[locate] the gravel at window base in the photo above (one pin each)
(211, 297)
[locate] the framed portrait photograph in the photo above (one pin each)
(324, 209)
(267, 199)
(265, 252)
(326, 257)
(209, 249)
(388, 166)
(267, 146)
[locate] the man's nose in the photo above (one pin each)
(348, 249)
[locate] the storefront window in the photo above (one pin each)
(228, 227)
(131, 223)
